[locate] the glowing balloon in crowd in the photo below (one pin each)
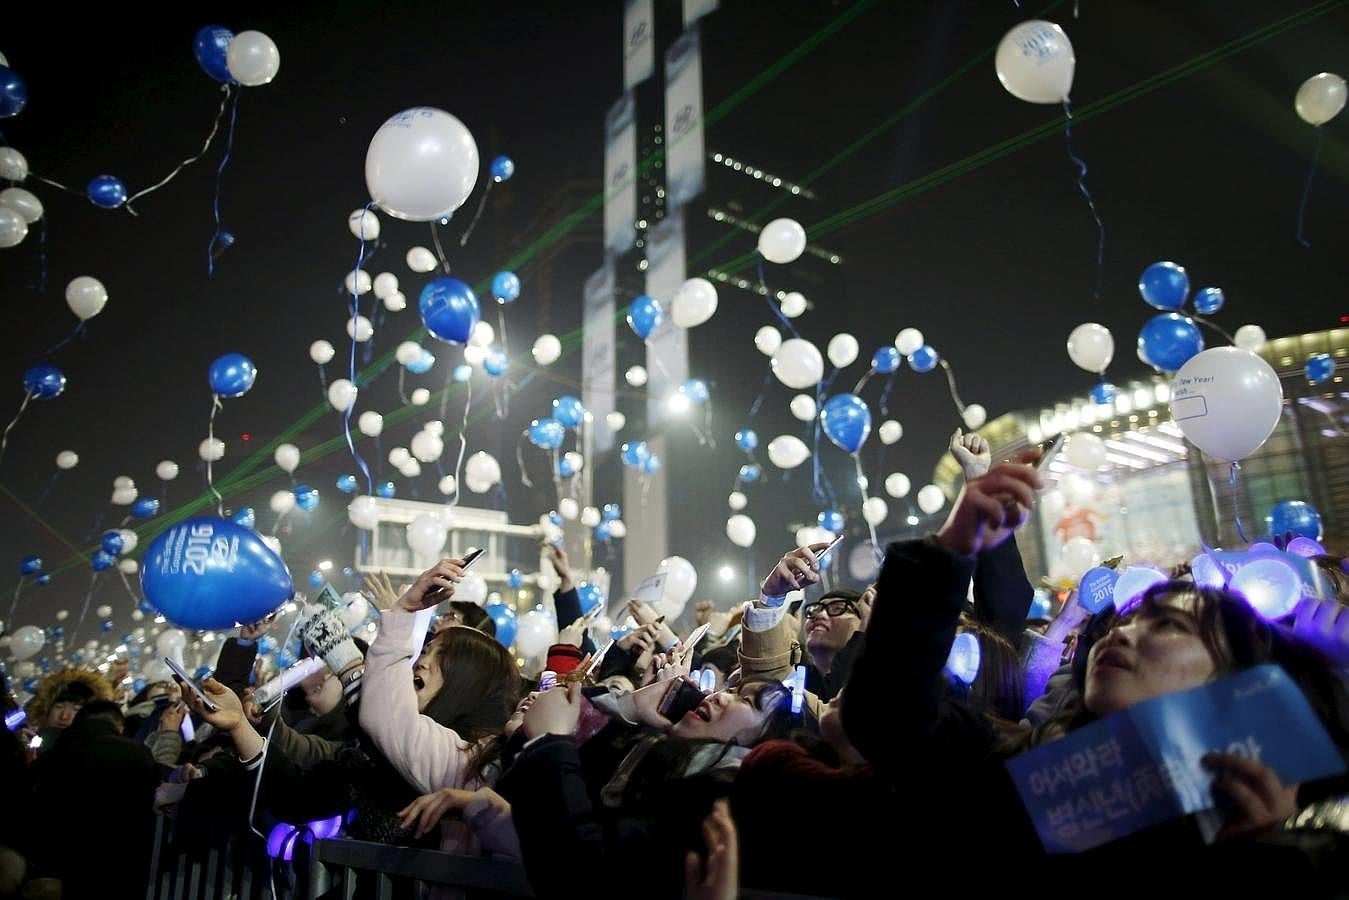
(1227, 401)
(1296, 516)
(741, 530)
(798, 364)
(535, 632)
(1091, 347)
(694, 303)
(787, 451)
(1270, 585)
(1131, 584)
(1320, 98)
(86, 297)
(1035, 62)
(421, 165)
(253, 58)
(782, 240)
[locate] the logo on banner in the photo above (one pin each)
(638, 35)
(619, 174)
(683, 119)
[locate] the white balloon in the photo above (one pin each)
(13, 165)
(129, 539)
(410, 469)
(211, 449)
(1227, 401)
(975, 416)
(446, 485)
(67, 459)
(421, 165)
(568, 508)
(931, 499)
(354, 609)
(1320, 98)
(793, 305)
(22, 202)
(359, 329)
(1035, 62)
(408, 351)
(908, 340)
(398, 456)
(768, 339)
(787, 451)
(590, 517)
(287, 456)
(681, 580)
(1085, 451)
(357, 282)
(737, 501)
(62, 615)
(123, 481)
(420, 397)
(617, 529)
(482, 469)
(575, 460)
(782, 240)
(547, 349)
(897, 485)
(370, 423)
(1077, 556)
(103, 611)
(813, 534)
(26, 642)
(386, 285)
(426, 536)
(86, 297)
(874, 510)
(124, 496)
(694, 303)
(321, 352)
(472, 589)
(363, 512)
(128, 567)
(535, 632)
(427, 447)
(1052, 503)
(483, 335)
(136, 614)
(282, 502)
(798, 364)
(420, 260)
(803, 407)
(741, 531)
(1091, 347)
(615, 420)
(1250, 337)
(342, 395)
(364, 224)
(13, 229)
(1077, 489)
(635, 376)
(890, 431)
(842, 350)
(252, 58)
(395, 302)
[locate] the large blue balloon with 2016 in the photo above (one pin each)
(1169, 340)
(504, 618)
(846, 421)
(449, 309)
(213, 573)
(232, 375)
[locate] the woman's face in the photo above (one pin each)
(322, 692)
(426, 675)
(1155, 651)
(728, 716)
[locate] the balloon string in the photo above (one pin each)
(88, 597)
(862, 382)
(520, 460)
(440, 251)
(463, 446)
(4, 438)
(862, 487)
(323, 382)
(1232, 477)
(501, 329)
(1082, 186)
(220, 236)
(1202, 321)
(42, 254)
(56, 184)
(951, 386)
(9, 620)
(42, 498)
(355, 312)
(210, 454)
(885, 394)
(768, 297)
(763, 392)
(1307, 188)
(482, 204)
(402, 389)
(220, 115)
(127, 585)
(78, 332)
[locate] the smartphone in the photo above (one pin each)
(697, 635)
(472, 555)
(598, 660)
(680, 700)
(819, 557)
(1049, 451)
(190, 684)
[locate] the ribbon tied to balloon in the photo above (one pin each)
(846, 421)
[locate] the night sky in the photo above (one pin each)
(995, 265)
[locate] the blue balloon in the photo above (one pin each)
(449, 309)
(349, 571)
(104, 627)
(139, 685)
(107, 191)
(245, 517)
(502, 168)
(696, 390)
(306, 497)
(1096, 589)
(30, 565)
(634, 453)
(44, 382)
(102, 560)
(1297, 516)
(1320, 367)
(210, 47)
(651, 465)
(463, 372)
(203, 672)
(644, 316)
(505, 287)
(210, 573)
(610, 512)
(13, 93)
(43, 580)
(846, 421)
(885, 360)
(590, 596)
(504, 617)
(565, 468)
(145, 507)
(924, 359)
(1164, 285)
(1040, 607)
(546, 433)
(830, 520)
(111, 543)
(268, 644)
(386, 490)
(555, 519)
(347, 484)
(750, 473)
(515, 579)
(1104, 393)
(422, 363)
(604, 531)
(285, 659)
(569, 411)
(316, 579)
(1169, 340)
(1208, 301)
(495, 363)
(232, 375)
(746, 439)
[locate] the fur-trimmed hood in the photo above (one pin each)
(50, 687)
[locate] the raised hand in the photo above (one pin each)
(794, 572)
(554, 712)
(379, 591)
(1259, 800)
(992, 506)
(433, 586)
(719, 878)
(557, 555)
(972, 452)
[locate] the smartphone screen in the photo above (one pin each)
(190, 684)
(697, 635)
(680, 700)
(830, 549)
(1049, 454)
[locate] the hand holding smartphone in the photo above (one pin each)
(437, 593)
(1048, 453)
(191, 685)
(682, 698)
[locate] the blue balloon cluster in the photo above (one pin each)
(1169, 340)
(634, 453)
(1104, 393)
(1164, 285)
(30, 565)
(610, 512)
(111, 543)
(1208, 301)
(515, 579)
(102, 560)
(506, 287)
(830, 520)
(504, 618)
(750, 473)
(644, 316)
(232, 375)
(590, 596)
(846, 421)
(421, 363)
(696, 390)
(449, 309)
(386, 490)
(604, 531)
(13, 93)
(495, 363)
(44, 382)
(316, 579)
(564, 468)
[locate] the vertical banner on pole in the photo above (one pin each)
(696, 9)
(684, 154)
(597, 347)
(639, 44)
(620, 176)
(667, 351)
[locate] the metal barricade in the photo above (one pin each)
(336, 867)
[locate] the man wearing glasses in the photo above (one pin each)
(833, 630)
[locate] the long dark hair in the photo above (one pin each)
(480, 690)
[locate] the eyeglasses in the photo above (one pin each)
(833, 608)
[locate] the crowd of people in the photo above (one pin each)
(825, 746)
